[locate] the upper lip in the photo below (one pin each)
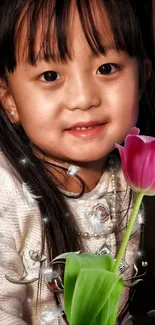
(85, 124)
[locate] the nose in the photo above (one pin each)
(82, 93)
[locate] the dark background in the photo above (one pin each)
(142, 306)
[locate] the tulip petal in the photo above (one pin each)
(148, 178)
(146, 138)
(140, 162)
(124, 163)
(134, 131)
(135, 156)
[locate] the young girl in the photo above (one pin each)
(74, 78)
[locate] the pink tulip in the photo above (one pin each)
(138, 161)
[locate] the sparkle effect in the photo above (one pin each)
(49, 315)
(45, 220)
(72, 170)
(27, 191)
(24, 161)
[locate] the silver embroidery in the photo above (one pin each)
(31, 268)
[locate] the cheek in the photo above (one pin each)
(37, 111)
(131, 102)
(40, 122)
(126, 99)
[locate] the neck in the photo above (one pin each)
(90, 174)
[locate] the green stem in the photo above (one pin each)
(122, 249)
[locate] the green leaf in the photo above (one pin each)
(112, 305)
(91, 290)
(74, 263)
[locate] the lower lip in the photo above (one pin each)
(88, 133)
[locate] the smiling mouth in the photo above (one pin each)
(86, 131)
(85, 125)
(83, 128)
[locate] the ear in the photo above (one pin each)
(8, 102)
(145, 71)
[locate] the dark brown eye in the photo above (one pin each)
(50, 76)
(106, 69)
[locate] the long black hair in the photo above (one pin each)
(61, 228)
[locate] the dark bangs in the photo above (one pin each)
(56, 18)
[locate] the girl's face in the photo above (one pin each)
(77, 110)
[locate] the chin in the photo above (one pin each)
(93, 155)
(85, 159)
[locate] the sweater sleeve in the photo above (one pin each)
(11, 295)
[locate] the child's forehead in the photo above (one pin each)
(44, 37)
(48, 28)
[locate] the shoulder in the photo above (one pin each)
(12, 186)
(9, 183)
(16, 212)
(11, 195)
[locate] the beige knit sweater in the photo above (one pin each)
(20, 244)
